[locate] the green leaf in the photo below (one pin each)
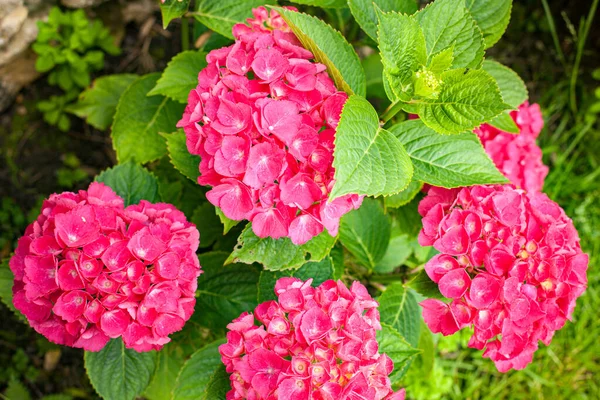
(405, 196)
(168, 363)
(447, 22)
(512, 88)
(227, 223)
(208, 224)
(6, 283)
(365, 15)
(441, 61)
(132, 182)
(336, 255)
(374, 73)
(329, 48)
(224, 292)
(220, 16)
(180, 76)
(139, 120)
(392, 343)
(397, 252)
(318, 271)
(367, 159)
(492, 17)
(16, 391)
(505, 123)
(398, 307)
(366, 232)
(98, 103)
(200, 375)
(403, 51)
(180, 157)
(119, 373)
(446, 161)
(277, 254)
(467, 99)
(423, 285)
(322, 3)
(172, 9)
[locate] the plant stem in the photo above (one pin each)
(392, 110)
(185, 33)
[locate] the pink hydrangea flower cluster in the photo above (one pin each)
(518, 157)
(511, 263)
(88, 270)
(263, 120)
(313, 344)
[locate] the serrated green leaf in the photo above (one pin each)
(318, 271)
(446, 161)
(180, 76)
(278, 254)
(423, 285)
(505, 123)
(447, 22)
(132, 182)
(512, 88)
(219, 384)
(220, 16)
(139, 120)
(16, 391)
(366, 233)
(208, 224)
(336, 255)
(398, 307)
(322, 3)
(180, 157)
(441, 61)
(172, 9)
(98, 103)
(397, 252)
(329, 48)
(365, 15)
(492, 17)
(119, 373)
(6, 283)
(367, 159)
(467, 99)
(225, 291)
(227, 223)
(197, 378)
(405, 196)
(392, 343)
(403, 51)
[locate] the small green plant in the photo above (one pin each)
(70, 47)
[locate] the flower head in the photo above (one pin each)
(518, 157)
(312, 343)
(263, 120)
(88, 270)
(509, 261)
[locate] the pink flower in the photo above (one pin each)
(263, 120)
(511, 263)
(312, 343)
(88, 270)
(518, 157)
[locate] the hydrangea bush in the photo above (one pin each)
(305, 181)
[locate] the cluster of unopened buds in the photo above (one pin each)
(511, 263)
(313, 343)
(518, 156)
(89, 269)
(263, 120)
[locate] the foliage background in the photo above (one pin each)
(545, 43)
